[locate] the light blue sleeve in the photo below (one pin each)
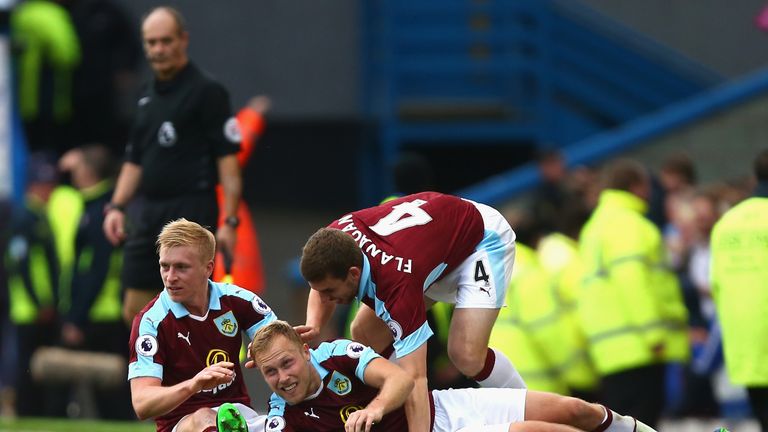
(147, 345)
(266, 320)
(365, 359)
(410, 343)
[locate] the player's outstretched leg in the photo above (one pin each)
(524, 426)
(229, 419)
(553, 408)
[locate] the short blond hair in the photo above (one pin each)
(267, 334)
(182, 232)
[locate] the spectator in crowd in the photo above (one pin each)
(185, 344)
(412, 173)
(94, 319)
(519, 332)
(394, 255)
(701, 212)
(550, 194)
(739, 278)
(48, 51)
(631, 307)
(678, 173)
(33, 287)
(183, 142)
(539, 329)
(345, 385)
(676, 176)
(559, 256)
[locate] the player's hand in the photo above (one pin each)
(307, 332)
(114, 226)
(363, 420)
(226, 236)
(71, 335)
(260, 104)
(213, 375)
(250, 363)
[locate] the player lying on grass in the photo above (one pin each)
(344, 384)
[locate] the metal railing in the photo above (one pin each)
(541, 72)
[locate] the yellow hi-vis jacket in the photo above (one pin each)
(64, 209)
(631, 306)
(559, 255)
(47, 37)
(739, 277)
(31, 262)
(530, 326)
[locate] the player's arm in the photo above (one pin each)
(417, 405)
(232, 187)
(150, 399)
(318, 314)
(127, 184)
(252, 125)
(394, 386)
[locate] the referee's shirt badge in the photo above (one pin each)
(166, 135)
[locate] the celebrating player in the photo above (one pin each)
(390, 257)
(185, 343)
(344, 384)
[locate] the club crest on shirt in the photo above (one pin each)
(232, 130)
(227, 324)
(355, 350)
(275, 424)
(339, 384)
(396, 329)
(347, 410)
(146, 345)
(166, 135)
(260, 306)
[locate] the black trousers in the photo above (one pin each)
(758, 400)
(637, 392)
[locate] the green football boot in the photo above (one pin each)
(229, 419)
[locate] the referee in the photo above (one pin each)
(184, 138)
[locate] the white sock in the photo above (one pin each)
(503, 374)
(642, 427)
(622, 423)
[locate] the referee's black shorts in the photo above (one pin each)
(144, 222)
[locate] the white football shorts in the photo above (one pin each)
(473, 408)
(481, 280)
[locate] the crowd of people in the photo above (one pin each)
(613, 288)
(571, 311)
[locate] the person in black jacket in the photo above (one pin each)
(184, 140)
